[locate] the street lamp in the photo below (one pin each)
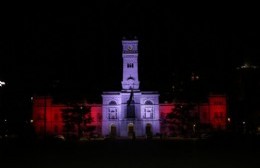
(2, 83)
(244, 127)
(194, 128)
(229, 119)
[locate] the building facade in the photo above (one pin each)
(126, 113)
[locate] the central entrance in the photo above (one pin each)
(148, 130)
(131, 131)
(113, 130)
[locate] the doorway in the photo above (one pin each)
(113, 130)
(148, 130)
(131, 132)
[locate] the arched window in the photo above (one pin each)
(148, 102)
(130, 78)
(112, 102)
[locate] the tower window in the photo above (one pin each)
(130, 65)
(112, 102)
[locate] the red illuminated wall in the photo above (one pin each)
(213, 113)
(165, 109)
(96, 115)
(54, 119)
(218, 111)
(204, 114)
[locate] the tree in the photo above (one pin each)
(76, 119)
(183, 120)
(180, 122)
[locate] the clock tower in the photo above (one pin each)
(130, 112)
(130, 65)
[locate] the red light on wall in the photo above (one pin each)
(54, 118)
(214, 113)
(218, 111)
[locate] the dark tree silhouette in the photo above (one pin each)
(183, 121)
(180, 122)
(76, 119)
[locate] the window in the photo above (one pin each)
(130, 65)
(148, 112)
(112, 114)
(112, 102)
(148, 102)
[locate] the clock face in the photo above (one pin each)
(130, 80)
(130, 47)
(131, 83)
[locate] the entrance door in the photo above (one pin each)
(131, 131)
(148, 130)
(113, 130)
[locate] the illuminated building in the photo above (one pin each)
(129, 112)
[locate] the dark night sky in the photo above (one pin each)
(79, 48)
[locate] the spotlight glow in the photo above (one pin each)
(2, 83)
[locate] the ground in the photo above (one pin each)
(218, 152)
